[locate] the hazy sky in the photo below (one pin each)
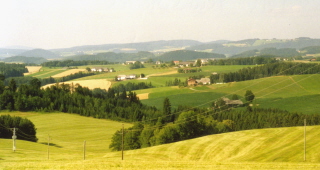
(65, 23)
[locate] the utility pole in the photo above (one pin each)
(122, 140)
(14, 137)
(84, 150)
(48, 146)
(305, 140)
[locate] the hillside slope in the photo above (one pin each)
(265, 145)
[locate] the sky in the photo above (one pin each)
(51, 24)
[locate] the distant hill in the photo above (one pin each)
(115, 57)
(235, 47)
(310, 50)
(133, 47)
(185, 55)
(7, 52)
(40, 53)
(23, 59)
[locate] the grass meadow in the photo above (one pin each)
(298, 93)
(275, 148)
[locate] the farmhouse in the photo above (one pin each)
(192, 82)
(124, 77)
(203, 81)
(97, 69)
(130, 62)
(158, 62)
(186, 64)
(232, 103)
(121, 77)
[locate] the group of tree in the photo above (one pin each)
(186, 123)
(262, 59)
(136, 65)
(67, 63)
(177, 82)
(267, 70)
(50, 80)
(98, 103)
(12, 70)
(25, 129)
(189, 70)
(131, 86)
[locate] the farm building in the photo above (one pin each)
(192, 82)
(203, 81)
(232, 103)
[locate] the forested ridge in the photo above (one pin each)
(267, 70)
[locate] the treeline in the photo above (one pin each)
(67, 63)
(189, 70)
(264, 59)
(12, 70)
(267, 70)
(136, 65)
(131, 86)
(50, 80)
(25, 129)
(98, 103)
(200, 122)
(177, 82)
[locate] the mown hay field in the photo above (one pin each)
(68, 72)
(91, 84)
(32, 69)
(274, 148)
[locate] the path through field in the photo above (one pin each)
(162, 74)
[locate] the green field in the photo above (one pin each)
(47, 72)
(297, 93)
(276, 148)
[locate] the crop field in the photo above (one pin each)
(46, 73)
(276, 148)
(68, 72)
(32, 69)
(91, 84)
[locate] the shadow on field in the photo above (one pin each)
(51, 144)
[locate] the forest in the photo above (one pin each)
(67, 63)
(12, 70)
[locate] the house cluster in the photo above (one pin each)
(232, 103)
(100, 69)
(193, 82)
(192, 63)
(125, 77)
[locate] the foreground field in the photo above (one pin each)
(277, 148)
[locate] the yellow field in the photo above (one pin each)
(32, 69)
(68, 72)
(91, 84)
(274, 148)
(143, 96)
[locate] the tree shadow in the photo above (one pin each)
(51, 144)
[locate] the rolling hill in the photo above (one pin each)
(252, 149)
(40, 53)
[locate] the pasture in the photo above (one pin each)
(293, 93)
(276, 148)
